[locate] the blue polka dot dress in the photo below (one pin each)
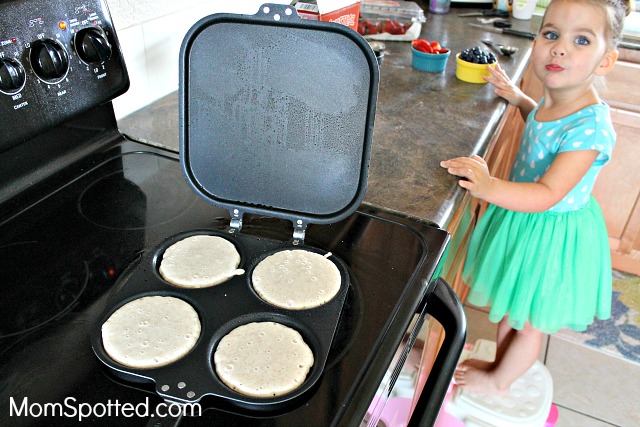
(553, 268)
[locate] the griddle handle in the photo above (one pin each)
(444, 306)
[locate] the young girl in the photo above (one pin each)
(540, 253)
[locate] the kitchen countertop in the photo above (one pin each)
(421, 119)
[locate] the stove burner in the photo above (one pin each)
(136, 195)
(38, 293)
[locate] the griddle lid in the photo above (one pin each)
(276, 114)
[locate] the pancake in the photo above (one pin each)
(151, 331)
(296, 279)
(200, 261)
(263, 359)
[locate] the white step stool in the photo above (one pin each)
(528, 403)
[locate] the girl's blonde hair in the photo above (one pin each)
(616, 10)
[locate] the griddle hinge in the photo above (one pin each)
(299, 230)
(236, 221)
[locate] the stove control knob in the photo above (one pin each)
(49, 60)
(12, 76)
(92, 46)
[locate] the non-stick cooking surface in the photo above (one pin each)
(276, 114)
(222, 308)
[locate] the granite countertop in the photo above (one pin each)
(421, 119)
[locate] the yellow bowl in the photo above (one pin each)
(470, 72)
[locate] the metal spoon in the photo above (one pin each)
(505, 50)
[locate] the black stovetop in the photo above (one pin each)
(62, 252)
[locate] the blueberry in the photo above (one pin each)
(477, 55)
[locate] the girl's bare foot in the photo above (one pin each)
(476, 375)
(477, 364)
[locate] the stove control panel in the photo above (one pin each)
(58, 58)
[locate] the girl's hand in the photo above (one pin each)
(475, 174)
(509, 91)
(504, 87)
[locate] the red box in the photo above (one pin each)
(346, 12)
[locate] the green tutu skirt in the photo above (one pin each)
(551, 269)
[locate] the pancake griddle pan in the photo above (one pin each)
(222, 308)
(276, 119)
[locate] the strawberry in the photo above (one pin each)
(422, 45)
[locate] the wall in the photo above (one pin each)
(150, 33)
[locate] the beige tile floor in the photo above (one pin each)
(590, 388)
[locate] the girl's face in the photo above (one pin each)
(571, 47)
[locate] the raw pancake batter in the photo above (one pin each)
(296, 279)
(263, 359)
(200, 261)
(150, 332)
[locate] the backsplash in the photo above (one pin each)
(150, 34)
